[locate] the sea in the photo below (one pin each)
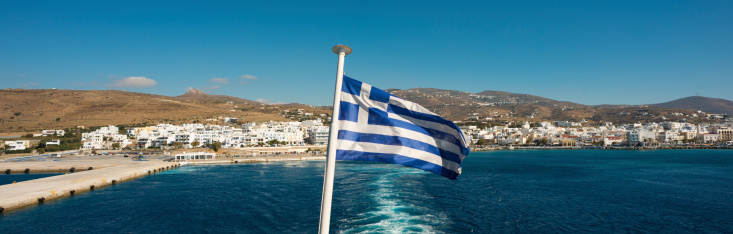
(520, 191)
(10, 178)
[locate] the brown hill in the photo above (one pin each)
(706, 104)
(457, 105)
(198, 95)
(26, 110)
(505, 107)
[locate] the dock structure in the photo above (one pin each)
(88, 174)
(52, 167)
(253, 160)
(96, 175)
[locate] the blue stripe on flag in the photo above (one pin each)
(426, 117)
(379, 117)
(396, 159)
(401, 141)
(351, 86)
(349, 111)
(379, 95)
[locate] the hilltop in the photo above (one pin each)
(198, 95)
(706, 104)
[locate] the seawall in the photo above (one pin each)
(92, 173)
(17, 195)
(254, 160)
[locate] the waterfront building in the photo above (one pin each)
(725, 133)
(195, 156)
(668, 136)
(318, 135)
(708, 137)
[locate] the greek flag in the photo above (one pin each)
(375, 125)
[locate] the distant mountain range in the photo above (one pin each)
(706, 104)
(459, 105)
(33, 109)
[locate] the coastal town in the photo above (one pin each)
(230, 134)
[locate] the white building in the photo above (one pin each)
(103, 137)
(195, 156)
(53, 132)
(318, 135)
(640, 135)
(708, 137)
(18, 144)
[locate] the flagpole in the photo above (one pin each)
(342, 51)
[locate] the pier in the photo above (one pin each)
(84, 174)
(254, 159)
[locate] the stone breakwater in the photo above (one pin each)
(51, 167)
(96, 174)
(253, 160)
(88, 174)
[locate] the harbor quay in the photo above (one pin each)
(84, 174)
(253, 160)
(103, 172)
(54, 167)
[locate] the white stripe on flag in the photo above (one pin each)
(400, 150)
(402, 132)
(428, 124)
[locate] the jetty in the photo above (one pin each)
(84, 174)
(254, 159)
(81, 176)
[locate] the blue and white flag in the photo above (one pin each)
(375, 125)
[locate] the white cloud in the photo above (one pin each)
(220, 80)
(268, 102)
(31, 84)
(247, 77)
(134, 82)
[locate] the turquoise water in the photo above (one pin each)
(525, 191)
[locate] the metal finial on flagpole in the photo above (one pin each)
(323, 227)
(338, 48)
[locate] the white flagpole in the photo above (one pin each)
(342, 51)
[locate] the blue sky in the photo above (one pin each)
(588, 52)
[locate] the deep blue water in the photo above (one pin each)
(525, 191)
(10, 178)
